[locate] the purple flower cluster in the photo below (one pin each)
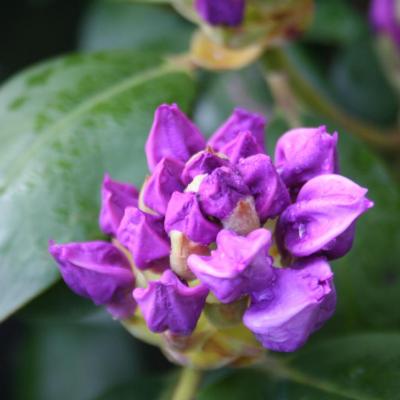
(385, 17)
(221, 12)
(220, 219)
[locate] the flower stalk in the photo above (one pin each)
(188, 384)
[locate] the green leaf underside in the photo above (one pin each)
(359, 367)
(63, 124)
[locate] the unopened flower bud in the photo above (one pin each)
(241, 120)
(301, 300)
(303, 153)
(326, 207)
(220, 192)
(115, 198)
(143, 235)
(98, 271)
(172, 135)
(226, 12)
(239, 266)
(184, 215)
(168, 304)
(164, 181)
(385, 17)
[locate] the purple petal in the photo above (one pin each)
(172, 135)
(325, 209)
(303, 153)
(300, 301)
(115, 197)
(239, 266)
(242, 146)
(98, 271)
(204, 162)
(162, 183)
(143, 235)
(184, 215)
(241, 120)
(220, 192)
(269, 192)
(168, 304)
(226, 12)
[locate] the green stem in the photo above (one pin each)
(187, 385)
(276, 60)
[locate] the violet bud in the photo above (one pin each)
(184, 215)
(303, 153)
(240, 120)
(325, 209)
(172, 135)
(162, 183)
(225, 12)
(242, 146)
(385, 18)
(269, 192)
(98, 271)
(301, 299)
(220, 192)
(239, 266)
(168, 304)
(115, 197)
(204, 162)
(143, 235)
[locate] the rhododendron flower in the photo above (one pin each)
(220, 222)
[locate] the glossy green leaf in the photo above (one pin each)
(62, 125)
(117, 25)
(360, 367)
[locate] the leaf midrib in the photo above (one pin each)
(75, 113)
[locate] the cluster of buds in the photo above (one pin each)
(221, 240)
